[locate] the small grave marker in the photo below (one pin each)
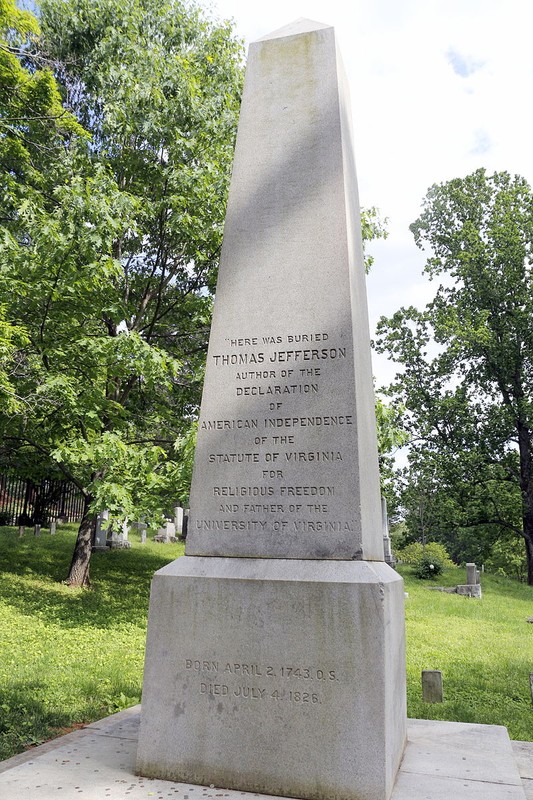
(432, 686)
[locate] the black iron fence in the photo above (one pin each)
(24, 502)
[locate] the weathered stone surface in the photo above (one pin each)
(432, 686)
(275, 653)
(286, 461)
(443, 760)
(471, 574)
(276, 676)
(469, 589)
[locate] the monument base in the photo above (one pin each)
(277, 676)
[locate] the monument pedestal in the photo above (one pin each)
(277, 676)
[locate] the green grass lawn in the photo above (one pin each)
(69, 657)
(484, 648)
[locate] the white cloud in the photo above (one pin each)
(439, 88)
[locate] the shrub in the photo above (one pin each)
(428, 568)
(508, 557)
(415, 552)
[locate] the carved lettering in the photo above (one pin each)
(233, 458)
(228, 424)
(308, 422)
(266, 391)
(270, 682)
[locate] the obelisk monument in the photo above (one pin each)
(275, 652)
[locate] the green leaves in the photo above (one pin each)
(109, 245)
(467, 359)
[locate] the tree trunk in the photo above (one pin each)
(529, 557)
(78, 574)
(526, 487)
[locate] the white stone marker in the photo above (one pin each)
(101, 531)
(432, 686)
(387, 552)
(471, 574)
(275, 652)
(178, 521)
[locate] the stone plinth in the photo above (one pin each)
(276, 676)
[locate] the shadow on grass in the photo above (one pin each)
(24, 721)
(32, 569)
(27, 718)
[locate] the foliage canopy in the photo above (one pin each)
(467, 360)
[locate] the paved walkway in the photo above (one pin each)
(443, 761)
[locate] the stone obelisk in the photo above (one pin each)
(275, 652)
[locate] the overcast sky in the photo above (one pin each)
(439, 88)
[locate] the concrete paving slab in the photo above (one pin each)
(523, 753)
(456, 750)
(410, 786)
(442, 761)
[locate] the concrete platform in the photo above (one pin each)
(443, 761)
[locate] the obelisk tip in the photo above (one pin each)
(301, 25)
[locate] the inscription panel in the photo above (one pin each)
(277, 445)
(278, 683)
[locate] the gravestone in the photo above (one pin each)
(167, 533)
(101, 531)
(472, 587)
(178, 521)
(432, 691)
(275, 651)
(387, 551)
(471, 574)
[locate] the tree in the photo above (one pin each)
(467, 359)
(391, 436)
(112, 255)
(33, 123)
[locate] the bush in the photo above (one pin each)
(415, 552)
(5, 518)
(508, 557)
(428, 568)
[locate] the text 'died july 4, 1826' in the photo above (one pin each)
(301, 684)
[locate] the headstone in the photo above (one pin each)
(37, 530)
(472, 587)
(22, 530)
(387, 552)
(178, 521)
(275, 653)
(141, 528)
(53, 527)
(167, 533)
(432, 686)
(471, 574)
(101, 531)
(120, 540)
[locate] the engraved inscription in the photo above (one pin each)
(275, 453)
(280, 683)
